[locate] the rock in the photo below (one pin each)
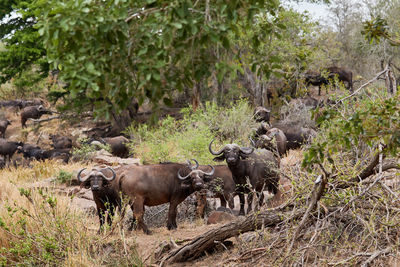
(219, 217)
(249, 237)
(103, 157)
(86, 205)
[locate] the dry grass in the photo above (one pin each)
(37, 171)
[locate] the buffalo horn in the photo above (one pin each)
(211, 172)
(180, 176)
(195, 167)
(246, 150)
(252, 142)
(213, 152)
(105, 177)
(79, 176)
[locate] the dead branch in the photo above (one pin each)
(43, 120)
(317, 192)
(369, 170)
(364, 85)
(198, 245)
(375, 255)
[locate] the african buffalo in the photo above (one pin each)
(33, 112)
(260, 167)
(3, 126)
(153, 185)
(105, 190)
(318, 79)
(31, 152)
(221, 185)
(118, 144)
(8, 148)
(60, 142)
(262, 114)
(296, 135)
(266, 141)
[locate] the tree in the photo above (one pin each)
(23, 47)
(112, 51)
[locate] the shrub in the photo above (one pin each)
(85, 150)
(64, 177)
(178, 140)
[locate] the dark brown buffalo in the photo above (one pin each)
(105, 190)
(273, 140)
(318, 79)
(222, 186)
(118, 145)
(8, 148)
(296, 135)
(3, 126)
(260, 167)
(60, 142)
(262, 114)
(32, 112)
(153, 185)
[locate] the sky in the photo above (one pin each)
(317, 11)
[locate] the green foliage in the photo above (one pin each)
(31, 246)
(178, 140)
(23, 49)
(112, 51)
(85, 150)
(365, 123)
(64, 177)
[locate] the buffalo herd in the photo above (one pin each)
(248, 170)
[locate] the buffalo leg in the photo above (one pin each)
(223, 201)
(172, 216)
(241, 199)
(261, 199)
(138, 211)
(250, 197)
(133, 222)
(201, 202)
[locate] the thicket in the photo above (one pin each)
(178, 140)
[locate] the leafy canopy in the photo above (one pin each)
(112, 51)
(23, 48)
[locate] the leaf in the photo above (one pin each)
(167, 101)
(176, 25)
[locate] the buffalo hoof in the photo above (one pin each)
(147, 231)
(171, 227)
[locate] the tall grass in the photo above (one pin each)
(41, 228)
(178, 140)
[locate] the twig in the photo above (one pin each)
(364, 85)
(375, 255)
(43, 120)
(317, 193)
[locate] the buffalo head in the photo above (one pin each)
(262, 114)
(96, 179)
(233, 153)
(195, 177)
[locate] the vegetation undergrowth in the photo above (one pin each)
(178, 140)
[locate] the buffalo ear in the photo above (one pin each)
(219, 158)
(207, 178)
(243, 155)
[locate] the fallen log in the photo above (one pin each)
(208, 240)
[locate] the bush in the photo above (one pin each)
(178, 140)
(85, 150)
(64, 177)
